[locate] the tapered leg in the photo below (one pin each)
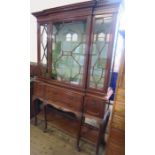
(104, 125)
(79, 133)
(35, 111)
(45, 117)
(98, 140)
(78, 136)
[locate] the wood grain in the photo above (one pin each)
(116, 138)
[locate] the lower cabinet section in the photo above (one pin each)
(69, 100)
(83, 106)
(58, 96)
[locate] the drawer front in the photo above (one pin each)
(38, 89)
(68, 98)
(94, 106)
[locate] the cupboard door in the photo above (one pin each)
(102, 31)
(68, 51)
(94, 106)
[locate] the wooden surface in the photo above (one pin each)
(69, 13)
(34, 69)
(63, 95)
(72, 7)
(64, 99)
(116, 139)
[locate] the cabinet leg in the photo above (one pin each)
(79, 133)
(104, 142)
(35, 112)
(97, 149)
(45, 117)
(98, 140)
(78, 137)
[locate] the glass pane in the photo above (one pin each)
(43, 36)
(68, 50)
(102, 32)
(43, 48)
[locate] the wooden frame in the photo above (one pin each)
(65, 95)
(68, 13)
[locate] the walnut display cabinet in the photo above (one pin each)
(75, 51)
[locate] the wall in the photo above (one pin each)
(38, 5)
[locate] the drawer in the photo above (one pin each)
(68, 99)
(38, 89)
(94, 106)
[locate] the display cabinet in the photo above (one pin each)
(75, 50)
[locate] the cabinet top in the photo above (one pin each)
(82, 5)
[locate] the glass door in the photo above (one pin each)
(68, 51)
(102, 31)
